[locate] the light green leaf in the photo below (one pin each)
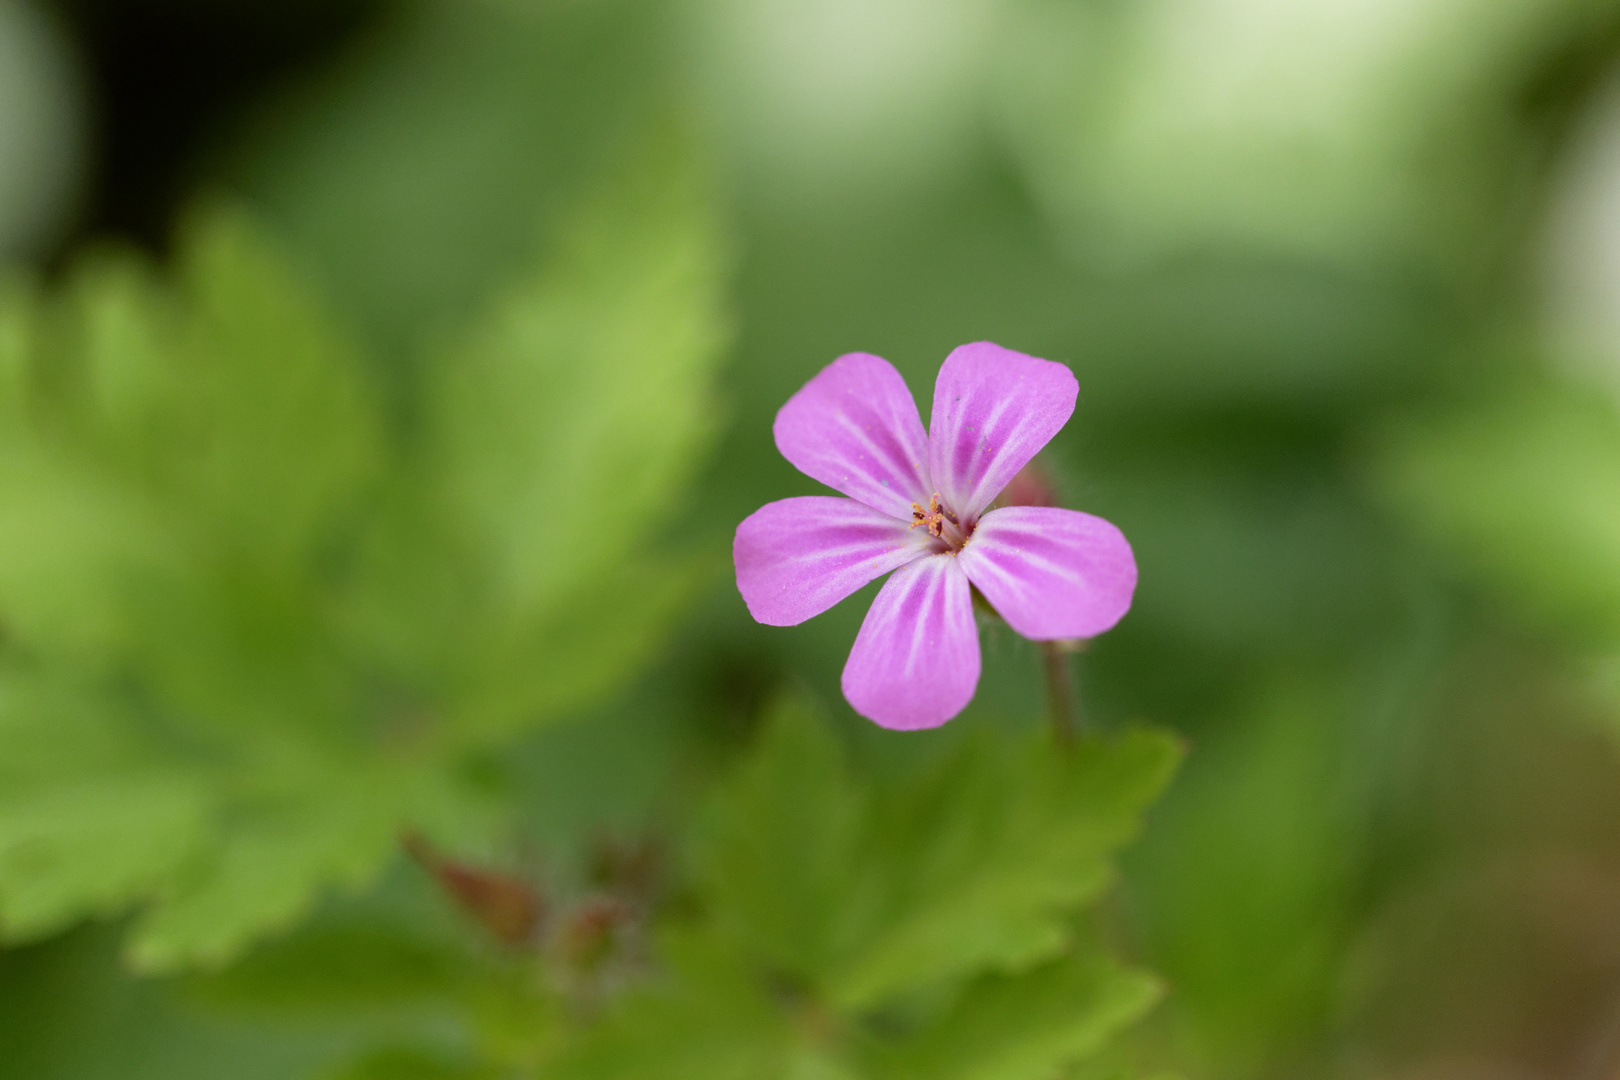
(551, 663)
(523, 563)
(19, 303)
(227, 396)
(111, 351)
(74, 851)
(334, 823)
(283, 431)
(571, 422)
(72, 546)
(88, 819)
(565, 430)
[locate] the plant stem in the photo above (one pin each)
(1061, 695)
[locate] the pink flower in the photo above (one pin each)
(917, 506)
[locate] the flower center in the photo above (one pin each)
(940, 522)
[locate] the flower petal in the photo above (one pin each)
(915, 663)
(798, 557)
(993, 410)
(855, 428)
(1051, 573)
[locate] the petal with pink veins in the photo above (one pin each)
(855, 427)
(915, 663)
(798, 557)
(1051, 573)
(993, 410)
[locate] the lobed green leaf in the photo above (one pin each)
(862, 928)
(290, 625)
(869, 895)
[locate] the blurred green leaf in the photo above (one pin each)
(712, 1020)
(399, 977)
(1251, 934)
(1523, 488)
(74, 546)
(585, 396)
(571, 421)
(88, 815)
(287, 627)
(174, 442)
(406, 1064)
(559, 439)
(337, 969)
(417, 173)
(18, 301)
(278, 425)
(70, 1011)
(280, 849)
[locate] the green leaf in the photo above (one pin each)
(73, 543)
(415, 173)
(857, 927)
(873, 894)
(19, 302)
(88, 817)
(69, 1011)
(571, 422)
(173, 443)
(551, 663)
(981, 865)
(399, 981)
(283, 431)
(563, 433)
(780, 865)
(278, 853)
(1253, 937)
(79, 850)
(69, 545)
(711, 1021)
(1026, 1026)
(294, 631)
(341, 969)
(408, 1064)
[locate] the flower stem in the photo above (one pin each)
(1061, 694)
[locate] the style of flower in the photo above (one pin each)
(918, 505)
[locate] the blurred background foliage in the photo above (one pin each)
(380, 383)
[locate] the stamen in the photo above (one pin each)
(933, 518)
